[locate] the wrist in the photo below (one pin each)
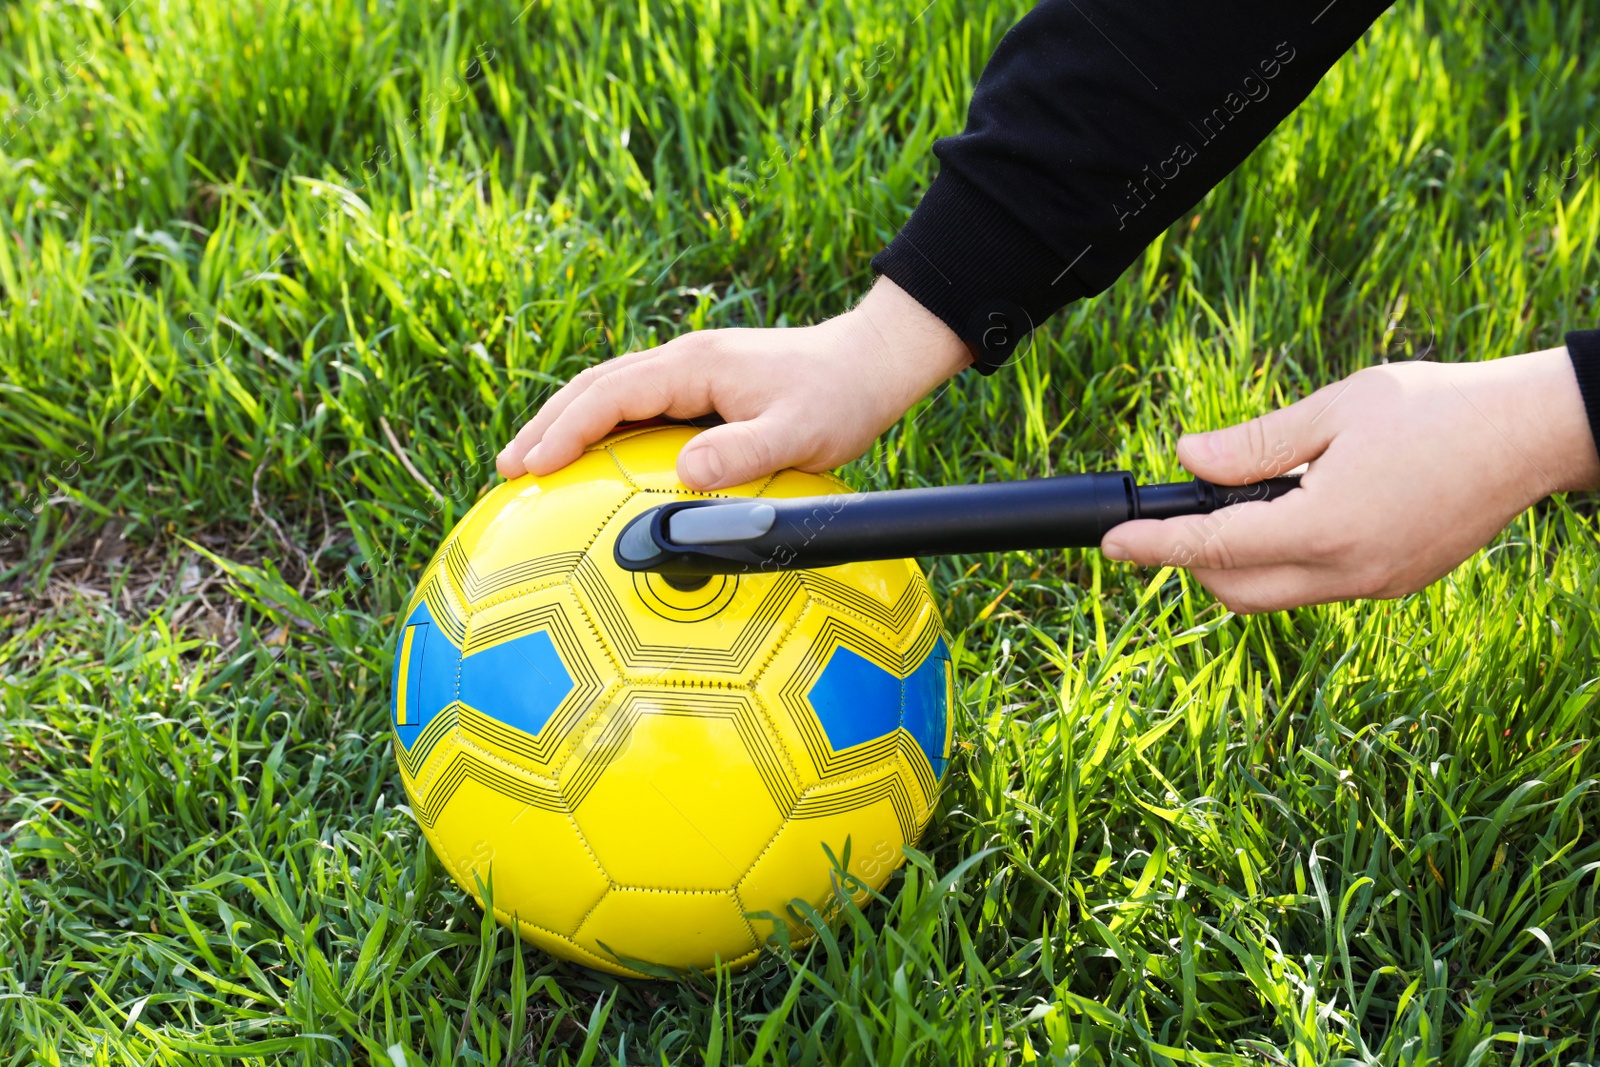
(1541, 390)
(916, 349)
(1582, 467)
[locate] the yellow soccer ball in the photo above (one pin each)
(643, 774)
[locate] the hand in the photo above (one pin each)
(1413, 467)
(811, 397)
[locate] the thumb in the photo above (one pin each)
(738, 452)
(1264, 447)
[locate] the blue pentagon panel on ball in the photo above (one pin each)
(425, 671)
(519, 682)
(857, 701)
(926, 715)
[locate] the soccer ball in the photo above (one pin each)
(633, 773)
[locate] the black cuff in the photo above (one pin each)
(1583, 347)
(966, 259)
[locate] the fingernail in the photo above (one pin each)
(704, 468)
(1115, 550)
(532, 457)
(1203, 446)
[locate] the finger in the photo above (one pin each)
(1263, 447)
(1244, 535)
(663, 386)
(1256, 590)
(739, 452)
(510, 460)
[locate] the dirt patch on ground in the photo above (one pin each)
(106, 571)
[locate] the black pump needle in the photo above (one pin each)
(686, 541)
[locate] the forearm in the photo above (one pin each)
(1094, 126)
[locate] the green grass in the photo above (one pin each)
(242, 244)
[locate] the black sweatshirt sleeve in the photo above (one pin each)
(1095, 125)
(1583, 348)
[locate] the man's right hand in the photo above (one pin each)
(1412, 468)
(811, 397)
